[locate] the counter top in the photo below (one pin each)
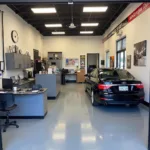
(22, 82)
(24, 92)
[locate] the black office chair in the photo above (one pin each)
(7, 105)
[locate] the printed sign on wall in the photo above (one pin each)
(129, 61)
(72, 62)
(112, 59)
(82, 61)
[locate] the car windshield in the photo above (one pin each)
(124, 74)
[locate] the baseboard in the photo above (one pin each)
(145, 103)
(53, 98)
(25, 117)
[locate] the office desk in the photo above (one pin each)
(71, 75)
(50, 81)
(30, 105)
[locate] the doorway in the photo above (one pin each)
(35, 54)
(92, 61)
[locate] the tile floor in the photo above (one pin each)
(73, 124)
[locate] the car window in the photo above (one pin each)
(108, 73)
(94, 73)
(124, 74)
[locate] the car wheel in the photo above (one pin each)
(94, 103)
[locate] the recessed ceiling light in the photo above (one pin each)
(95, 9)
(89, 24)
(53, 25)
(43, 10)
(56, 33)
(86, 32)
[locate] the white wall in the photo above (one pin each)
(73, 46)
(29, 37)
(136, 31)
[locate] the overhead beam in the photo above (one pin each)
(64, 19)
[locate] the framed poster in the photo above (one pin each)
(140, 53)
(112, 59)
(129, 61)
(72, 62)
(82, 61)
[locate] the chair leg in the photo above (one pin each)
(8, 123)
(7, 118)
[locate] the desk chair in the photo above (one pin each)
(7, 105)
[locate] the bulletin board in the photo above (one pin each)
(72, 62)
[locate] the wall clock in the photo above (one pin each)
(14, 36)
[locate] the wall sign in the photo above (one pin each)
(72, 62)
(129, 61)
(112, 59)
(82, 61)
(102, 62)
(143, 7)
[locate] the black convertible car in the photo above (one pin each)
(113, 86)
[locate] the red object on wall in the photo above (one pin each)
(143, 7)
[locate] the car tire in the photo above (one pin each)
(94, 103)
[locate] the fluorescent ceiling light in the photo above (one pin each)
(86, 32)
(89, 24)
(56, 33)
(58, 136)
(89, 139)
(53, 25)
(43, 10)
(95, 9)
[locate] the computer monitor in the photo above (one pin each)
(7, 84)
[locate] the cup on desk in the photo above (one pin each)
(15, 89)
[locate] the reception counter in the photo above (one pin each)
(50, 81)
(30, 105)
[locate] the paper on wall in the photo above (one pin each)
(49, 70)
(1, 74)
